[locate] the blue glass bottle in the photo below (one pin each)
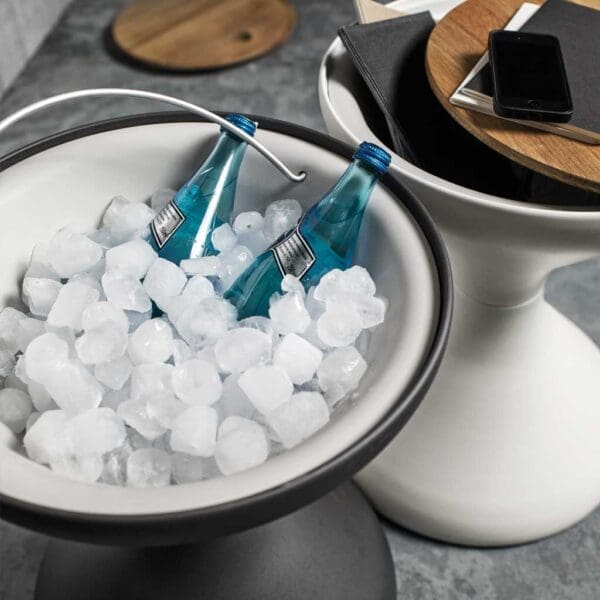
(324, 239)
(184, 227)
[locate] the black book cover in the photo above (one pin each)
(578, 30)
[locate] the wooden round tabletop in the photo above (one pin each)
(190, 35)
(455, 45)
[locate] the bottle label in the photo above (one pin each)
(293, 254)
(166, 223)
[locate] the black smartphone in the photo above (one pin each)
(529, 77)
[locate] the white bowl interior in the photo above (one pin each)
(74, 181)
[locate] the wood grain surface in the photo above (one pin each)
(201, 34)
(455, 45)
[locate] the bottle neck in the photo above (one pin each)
(338, 215)
(224, 160)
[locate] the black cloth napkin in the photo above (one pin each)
(386, 54)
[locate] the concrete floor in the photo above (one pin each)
(565, 567)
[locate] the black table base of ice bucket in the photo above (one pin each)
(333, 549)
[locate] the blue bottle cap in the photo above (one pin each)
(374, 156)
(244, 123)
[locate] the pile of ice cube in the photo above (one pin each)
(105, 392)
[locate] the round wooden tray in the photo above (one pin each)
(455, 45)
(191, 35)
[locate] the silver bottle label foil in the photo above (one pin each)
(293, 254)
(166, 223)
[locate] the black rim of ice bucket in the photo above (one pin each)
(203, 523)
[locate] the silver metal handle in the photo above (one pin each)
(203, 112)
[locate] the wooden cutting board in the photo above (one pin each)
(201, 34)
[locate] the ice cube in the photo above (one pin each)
(148, 468)
(194, 431)
(299, 418)
(233, 263)
(223, 238)
(74, 388)
(102, 344)
(40, 294)
(208, 266)
(197, 382)
(241, 444)
(9, 322)
(248, 221)
(161, 198)
(86, 468)
(151, 378)
(199, 287)
(293, 285)
(39, 265)
(280, 217)
(115, 373)
(297, 357)
(101, 313)
(248, 228)
(267, 387)
(95, 431)
(135, 414)
(164, 408)
(151, 342)
(289, 315)
(234, 401)
(188, 469)
(126, 219)
(133, 258)
(115, 465)
(42, 401)
(15, 408)
(357, 282)
(73, 298)
(371, 310)
(126, 292)
(340, 325)
(340, 372)
(328, 286)
(181, 352)
(27, 330)
(164, 281)
(44, 440)
(70, 252)
(206, 321)
(44, 356)
(242, 348)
